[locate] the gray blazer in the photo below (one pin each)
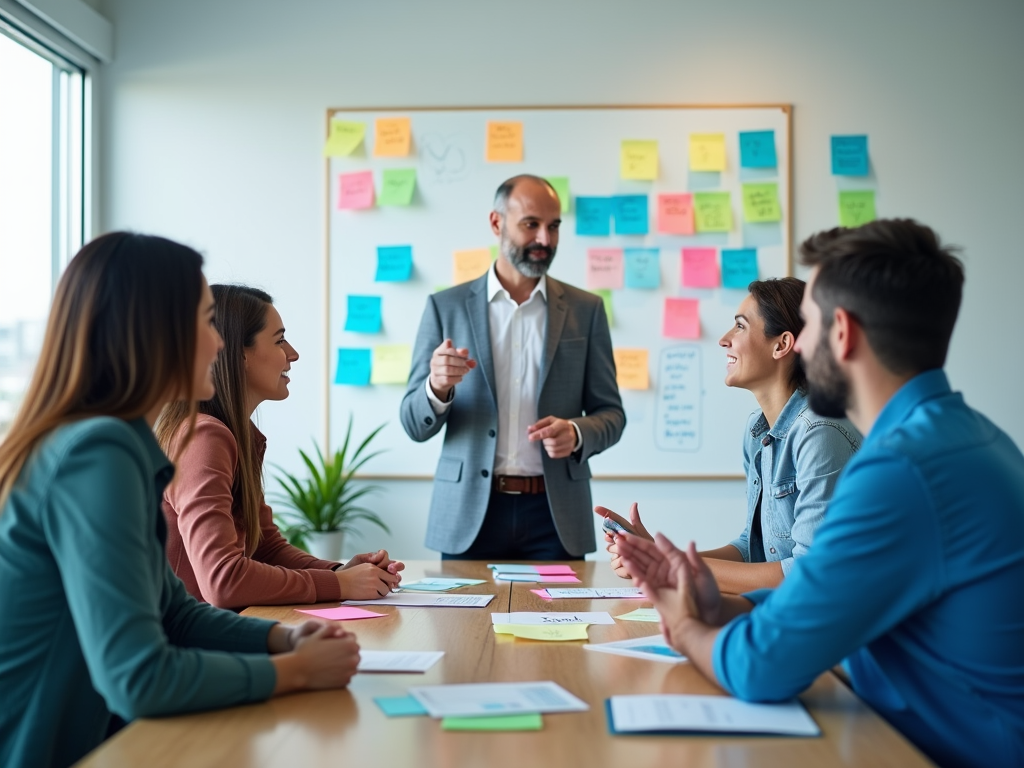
(577, 381)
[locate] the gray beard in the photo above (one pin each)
(520, 259)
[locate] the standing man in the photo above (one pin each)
(519, 367)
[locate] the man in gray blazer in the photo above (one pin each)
(531, 360)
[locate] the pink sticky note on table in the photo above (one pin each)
(675, 214)
(682, 319)
(344, 613)
(355, 190)
(604, 268)
(700, 268)
(542, 594)
(555, 570)
(560, 580)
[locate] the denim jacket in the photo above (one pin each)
(797, 462)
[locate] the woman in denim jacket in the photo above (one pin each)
(791, 456)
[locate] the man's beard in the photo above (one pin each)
(828, 391)
(520, 257)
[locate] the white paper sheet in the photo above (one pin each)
(621, 593)
(653, 648)
(427, 601)
(475, 699)
(435, 584)
(560, 617)
(708, 714)
(398, 661)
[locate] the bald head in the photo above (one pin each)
(526, 218)
(526, 183)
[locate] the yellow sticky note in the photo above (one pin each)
(344, 137)
(707, 151)
(469, 265)
(504, 142)
(639, 160)
(555, 632)
(391, 364)
(392, 136)
(631, 368)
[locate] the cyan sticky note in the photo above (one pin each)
(849, 155)
(354, 366)
(394, 263)
(363, 314)
(739, 267)
(593, 216)
(643, 267)
(757, 149)
(399, 706)
(630, 213)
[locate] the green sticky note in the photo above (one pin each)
(561, 185)
(494, 253)
(531, 722)
(345, 136)
(761, 202)
(397, 186)
(641, 614)
(606, 297)
(712, 211)
(391, 364)
(856, 207)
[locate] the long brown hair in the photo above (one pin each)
(240, 314)
(121, 335)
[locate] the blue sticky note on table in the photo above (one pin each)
(643, 267)
(739, 267)
(399, 706)
(849, 155)
(354, 366)
(630, 214)
(394, 263)
(593, 216)
(363, 314)
(757, 149)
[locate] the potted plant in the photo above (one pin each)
(319, 510)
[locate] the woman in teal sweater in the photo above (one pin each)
(92, 620)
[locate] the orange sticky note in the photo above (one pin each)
(504, 142)
(675, 214)
(392, 136)
(356, 190)
(469, 265)
(631, 368)
(682, 319)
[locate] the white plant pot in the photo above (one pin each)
(326, 545)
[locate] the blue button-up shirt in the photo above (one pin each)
(915, 578)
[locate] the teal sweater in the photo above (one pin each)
(92, 619)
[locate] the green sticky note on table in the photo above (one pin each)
(856, 207)
(712, 211)
(561, 185)
(531, 722)
(397, 187)
(761, 202)
(344, 137)
(391, 364)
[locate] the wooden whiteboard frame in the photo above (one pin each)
(786, 109)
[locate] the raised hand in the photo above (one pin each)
(448, 366)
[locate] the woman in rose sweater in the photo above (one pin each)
(222, 541)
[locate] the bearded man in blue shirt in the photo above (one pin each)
(914, 581)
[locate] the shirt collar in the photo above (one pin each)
(796, 403)
(494, 286)
(924, 386)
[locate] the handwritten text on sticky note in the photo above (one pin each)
(391, 364)
(631, 368)
(593, 216)
(700, 268)
(850, 156)
(707, 151)
(504, 142)
(604, 268)
(355, 190)
(470, 264)
(394, 263)
(739, 267)
(639, 160)
(675, 213)
(856, 207)
(761, 202)
(630, 213)
(757, 149)
(392, 137)
(712, 211)
(363, 314)
(397, 187)
(354, 367)
(344, 137)
(643, 267)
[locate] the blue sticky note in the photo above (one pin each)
(643, 267)
(757, 149)
(849, 155)
(394, 263)
(739, 267)
(363, 314)
(630, 214)
(593, 216)
(399, 706)
(354, 366)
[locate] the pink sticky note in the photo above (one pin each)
(700, 268)
(682, 319)
(344, 613)
(356, 190)
(604, 268)
(675, 214)
(555, 570)
(542, 594)
(560, 580)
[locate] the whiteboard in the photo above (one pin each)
(688, 424)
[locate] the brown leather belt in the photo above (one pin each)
(515, 484)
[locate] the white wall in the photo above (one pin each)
(214, 115)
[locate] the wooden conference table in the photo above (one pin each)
(347, 728)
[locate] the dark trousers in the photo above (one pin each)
(516, 527)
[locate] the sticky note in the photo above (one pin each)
(392, 136)
(529, 722)
(363, 314)
(630, 213)
(469, 265)
(391, 364)
(561, 185)
(849, 155)
(594, 216)
(707, 151)
(856, 207)
(394, 263)
(641, 614)
(700, 268)
(504, 142)
(739, 267)
(604, 268)
(643, 267)
(354, 367)
(639, 160)
(606, 297)
(757, 149)
(554, 632)
(343, 138)
(712, 211)
(399, 706)
(761, 202)
(494, 249)
(631, 368)
(675, 213)
(355, 190)
(682, 319)
(397, 186)
(344, 613)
